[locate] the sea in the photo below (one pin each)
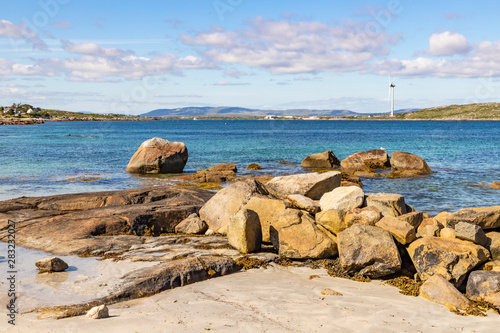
(70, 157)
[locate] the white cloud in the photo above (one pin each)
(226, 83)
(447, 44)
(21, 31)
(289, 47)
(95, 50)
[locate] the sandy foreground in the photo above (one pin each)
(276, 299)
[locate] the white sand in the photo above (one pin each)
(276, 299)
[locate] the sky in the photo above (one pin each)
(131, 57)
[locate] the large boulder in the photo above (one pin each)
(312, 185)
(217, 211)
(402, 231)
(321, 160)
(159, 156)
(387, 203)
(244, 231)
(365, 162)
(408, 165)
(295, 235)
(485, 217)
(336, 221)
(266, 208)
(369, 250)
(452, 258)
(438, 290)
(343, 199)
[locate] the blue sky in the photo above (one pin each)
(134, 56)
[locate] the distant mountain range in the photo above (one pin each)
(237, 111)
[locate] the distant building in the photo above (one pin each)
(271, 117)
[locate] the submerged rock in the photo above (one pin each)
(159, 156)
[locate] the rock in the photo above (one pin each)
(342, 199)
(98, 312)
(332, 220)
(254, 166)
(244, 231)
(158, 156)
(224, 167)
(447, 233)
(438, 290)
(312, 185)
(50, 265)
(217, 211)
(96, 222)
(266, 208)
(295, 235)
(321, 160)
(452, 258)
(302, 202)
(485, 217)
(369, 250)
(428, 230)
(493, 244)
(470, 232)
(441, 219)
(191, 225)
(482, 284)
(366, 162)
(408, 165)
(350, 180)
(413, 218)
(387, 203)
(429, 222)
(330, 292)
(403, 232)
(491, 266)
(366, 215)
(495, 185)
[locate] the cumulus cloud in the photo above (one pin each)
(447, 44)
(284, 47)
(21, 31)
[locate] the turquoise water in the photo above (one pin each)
(43, 159)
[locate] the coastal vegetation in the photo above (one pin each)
(479, 111)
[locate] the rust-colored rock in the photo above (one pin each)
(366, 162)
(408, 165)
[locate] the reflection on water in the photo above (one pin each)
(52, 280)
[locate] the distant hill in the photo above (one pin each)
(480, 111)
(196, 111)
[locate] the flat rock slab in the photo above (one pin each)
(485, 217)
(84, 223)
(312, 185)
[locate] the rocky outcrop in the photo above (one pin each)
(312, 185)
(336, 221)
(452, 258)
(266, 208)
(342, 199)
(295, 236)
(438, 290)
(324, 160)
(402, 231)
(76, 224)
(217, 211)
(191, 225)
(159, 156)
(302, 202)
(369, 250)
(51, 265)
(408, 165)
(217, 174)
(386, 203)
(244, 231)
(366, 215)
(366, 162)
(495, 185)
(485, 217)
